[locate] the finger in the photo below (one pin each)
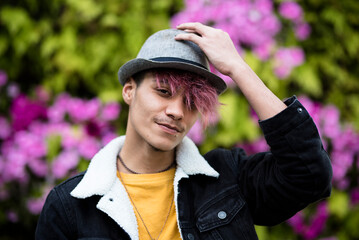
(193, 37)
(193, 26)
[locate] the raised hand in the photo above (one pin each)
(215, 43)
(220, 51)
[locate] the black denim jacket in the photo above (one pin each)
(224, 201)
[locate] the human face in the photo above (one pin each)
(157, 118)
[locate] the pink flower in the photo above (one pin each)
(5, 129)
(30, 144)
(81, 110)
(264, 6)
(263, 51)
(71, 139)
(92, 108)
(286, 59)
(297, 222)
(3, 78)
(291, 10)
(23, 111)
(15, 162)
(57, 111)
(302, 31)
(77, 110)
(108, 137)
(110, 111)
(314, 109)
(93, 128)
(196, 133)
(88, 147)
(341, 162)
(35, 205)
(42, 94)
(38, 167)
(316, 223)
(354, 196)
(12, 216)
(13, 90)
(254, 147)
(64, 162)
(330, 119)
(271, 25)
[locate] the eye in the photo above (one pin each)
(164, 91)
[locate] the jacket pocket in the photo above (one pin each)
(220, 210)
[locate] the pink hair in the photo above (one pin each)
(198, 93)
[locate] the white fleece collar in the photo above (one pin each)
(101, 179)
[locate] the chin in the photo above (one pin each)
(164, 145)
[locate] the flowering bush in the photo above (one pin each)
(85, 41)
(341, 142)
(255, 25)
(43, 141)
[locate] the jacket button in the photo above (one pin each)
(190, 236)
(222, 215)
(300, 110)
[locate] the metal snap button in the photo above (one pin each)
(190, 236)
(222, 215)
(300, 110)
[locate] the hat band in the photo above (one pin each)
(174, 59)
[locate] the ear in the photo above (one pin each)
(128, 91)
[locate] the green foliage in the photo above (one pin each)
(76, 46)
(339, 204)
(332, 53)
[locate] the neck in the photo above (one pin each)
(144, 159)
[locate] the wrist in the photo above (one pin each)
(240, 72)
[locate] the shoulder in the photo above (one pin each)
(62, 191)
(70, 183)
(224, 159)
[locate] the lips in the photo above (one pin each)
(170, 128)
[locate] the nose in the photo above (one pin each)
(176, 108)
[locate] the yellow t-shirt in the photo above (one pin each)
(152, 195)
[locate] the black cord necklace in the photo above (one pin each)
(131, 171)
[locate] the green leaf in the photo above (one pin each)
(3, 44)
(235, 123)
(252, 61)
(15, 19)
(82, 166)
(53, 146)
(306, 76)
(339, 204)
(86, 9)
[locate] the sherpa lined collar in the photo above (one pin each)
(100, 179)
(101, 173)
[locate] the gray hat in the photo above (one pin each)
(161, 50)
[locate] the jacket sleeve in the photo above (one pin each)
(54, 221)
(296, 172)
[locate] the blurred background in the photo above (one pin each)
(60, 100)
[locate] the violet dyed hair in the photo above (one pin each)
(198, 92)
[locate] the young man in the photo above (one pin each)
(154, 184)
